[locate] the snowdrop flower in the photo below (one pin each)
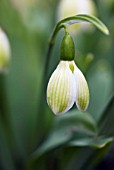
(67, 84)
(5, 52)
(68, 8)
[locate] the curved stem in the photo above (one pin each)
(88, 18)
(47, 60)
(40, 120)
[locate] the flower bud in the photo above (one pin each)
(5, 52)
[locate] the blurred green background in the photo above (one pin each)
(26, 120)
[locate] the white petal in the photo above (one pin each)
(82, 91)
(61, 89)
(5, 52)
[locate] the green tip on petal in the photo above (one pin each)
(82, 90)
(83, 101)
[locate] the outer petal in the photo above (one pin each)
(61, 89)
(82, 91)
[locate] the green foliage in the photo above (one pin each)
(31, 137)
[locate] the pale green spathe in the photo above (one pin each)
(66, 86)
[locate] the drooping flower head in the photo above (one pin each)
(67, 84)
(67, 8)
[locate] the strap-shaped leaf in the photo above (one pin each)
(72, 129)
(5, 152)
(97, 142)
(65, 128)
(106, 122)
(76, 121)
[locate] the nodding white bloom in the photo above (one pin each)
(67, 86)
(68, 8)
(5, 52)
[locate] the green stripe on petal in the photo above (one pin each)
(60, 90)
(82, 91)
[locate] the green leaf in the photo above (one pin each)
(64, 128)
(100, 80)
(6, 158)
(98, 142)
(76, 121)
(108, 107)
(106, 123)
(23, 123)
